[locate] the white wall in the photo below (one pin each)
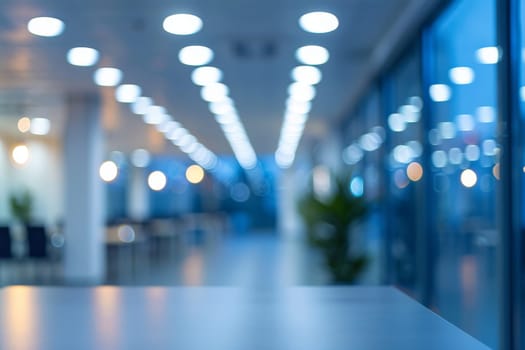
(42, 176)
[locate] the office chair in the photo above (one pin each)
(41, 267)
(6, 255)
(6, 251)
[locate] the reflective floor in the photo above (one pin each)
(252, 260)
(261, 259)
(465, 291)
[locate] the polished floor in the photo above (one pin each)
(261, 260)
(465, 292)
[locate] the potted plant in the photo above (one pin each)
(21, 206)
(328, 223)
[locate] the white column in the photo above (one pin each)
(290, 189)
(84, 196)
(138, 202)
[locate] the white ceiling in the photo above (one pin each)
(254, 43)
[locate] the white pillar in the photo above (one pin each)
(138, 202)
(84, 196)
(290, 190)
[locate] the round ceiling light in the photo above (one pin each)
(214, 92)
(307, 74)
(195, 55)
(301, 92)
(141, 105)
(82, 56)
(45, 26)
(319, 22)
(312, 55)
(107, 76)
(127, 93)
(182, 24)
(206, 75)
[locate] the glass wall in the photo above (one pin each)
(518, 169)
(404, 106)
(438, 159)
(364, 137)
(465, 167)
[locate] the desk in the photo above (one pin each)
(208, 318)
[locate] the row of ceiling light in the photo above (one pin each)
(213, 91)
(130, 93)
(302, 91)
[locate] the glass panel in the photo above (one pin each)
(465, 169)
(405, 168)
(363, 152)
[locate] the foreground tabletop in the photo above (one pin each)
(210, 318)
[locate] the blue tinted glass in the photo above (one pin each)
(465, 169)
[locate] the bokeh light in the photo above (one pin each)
(496, 171)
(414, 171)
(24, 124)
(182, 24)
(20, 154)
(157, 180)
(319, 22)
(45, 26)
(468, 178)
(108, 171)
(194, 174)
(357, 187)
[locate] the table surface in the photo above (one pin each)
(325, 318)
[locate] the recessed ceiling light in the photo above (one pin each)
(185, 140)
(155, 115)
(319, 22)
(177, 134)
(141, 105)
(214, 92)
(307, 74)
(312, 55)
(301, 92)
(107, 76)
(298, 107)
(40, 126)
(221, 107)
(168, 125)
(226, 118)
(182, 24)
(45, 26)
(127, 93)
(206, 75)
(82, 56)
(195, 55)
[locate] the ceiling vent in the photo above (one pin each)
(252, 49)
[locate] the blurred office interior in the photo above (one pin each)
(135, 151)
